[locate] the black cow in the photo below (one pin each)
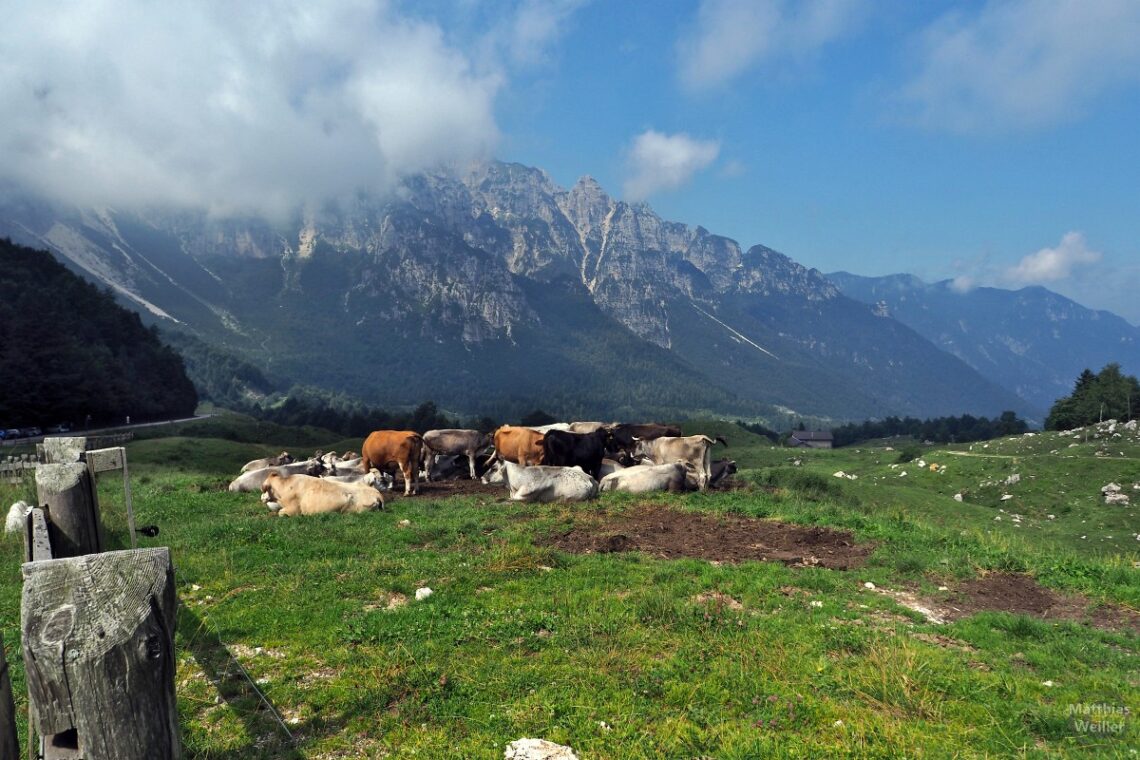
(564, 449)
(625, 435)
(722, 470)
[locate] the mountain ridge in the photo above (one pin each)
(483, 271)
(1031, 340)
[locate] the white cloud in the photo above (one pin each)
(1018, 64)
(1053, 264)
(536, 25)
(234, 107)
(732, 36)
(664, 162)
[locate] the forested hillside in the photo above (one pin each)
(68, 351)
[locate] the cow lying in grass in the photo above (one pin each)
(542, 483)
(647, 478)
(260, 464)
(291, 495)
(251, 481)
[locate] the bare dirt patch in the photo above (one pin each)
(720, 538)
(1019, 595)
(444, 489)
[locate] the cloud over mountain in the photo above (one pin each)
(230, 106)
(658, 161)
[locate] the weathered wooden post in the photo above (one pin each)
(9, 743)
(68, 492)
(98, 633)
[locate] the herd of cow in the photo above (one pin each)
(560, 462)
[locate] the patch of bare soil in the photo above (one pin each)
(447, 488)
(719, 538)
(1019, 595)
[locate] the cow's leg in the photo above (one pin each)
(706, 468)
(429, 462)
(409, 472)
(471, 461)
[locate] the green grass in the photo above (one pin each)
(615, 654)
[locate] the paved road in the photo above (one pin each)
(101, 431)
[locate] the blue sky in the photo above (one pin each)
(993, 142)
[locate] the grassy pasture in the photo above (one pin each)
(625, 655)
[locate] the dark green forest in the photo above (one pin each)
(939, 430)
(236, 384)
(1106, 395)
(69, 353)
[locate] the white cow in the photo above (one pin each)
(693, 449)
(542, 483)
(252, 480)
(552, 426)
(381, 481)
(646, 478)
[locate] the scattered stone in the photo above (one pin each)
(537, 749)
(1048, 684)
(957, 497)
(869, 585)
(1013, 479)
(404, 523)
(816, 603)
(423, 593)
(1006, 496)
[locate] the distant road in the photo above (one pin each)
(102, 430)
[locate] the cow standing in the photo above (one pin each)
(585, 450)
(695, 450)
(625, 436)
(453, 441)
(402, 448)
(520, 445)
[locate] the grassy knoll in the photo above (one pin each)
(624, 655)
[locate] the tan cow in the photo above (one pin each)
(291, 495)
(402, 448)
(694, 450)
(519, 445)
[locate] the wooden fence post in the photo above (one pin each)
(9, 742)
(68, 492)
(98, 633)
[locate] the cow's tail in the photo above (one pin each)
(721, 439)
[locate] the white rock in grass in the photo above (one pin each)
(537, 749)
(957, 497)
(423, 593)
(869, 585)
(16, 517)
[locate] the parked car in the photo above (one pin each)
(33, 432)
(13, 433)
(62, 427)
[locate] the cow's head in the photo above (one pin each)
(269, 496)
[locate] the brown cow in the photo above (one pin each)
(519, 445)
(290, 495)
(402, 448)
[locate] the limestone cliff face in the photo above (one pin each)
(493, 264)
